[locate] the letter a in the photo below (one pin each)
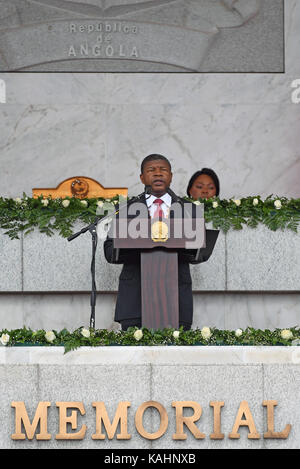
(248, 422)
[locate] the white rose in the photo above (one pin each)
(286, 334)
(277, 204)
(84, 202)
(237, 202)
(50, 336)
(176, 334)
(206, 333)
(45, 202)
(4, 339)
(238, 332)
(85, 332)
(65, 203)
(100, 203)
(197, 202)
(215, 204)
(255, 201)
(18, 200)
(138, 334)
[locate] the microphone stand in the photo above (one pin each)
(92, 228)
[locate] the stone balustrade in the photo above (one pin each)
(251, 279)
(248, 260)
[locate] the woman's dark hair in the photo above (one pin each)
(154, 157)
(208, 172)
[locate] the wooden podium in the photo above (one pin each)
(159, 267)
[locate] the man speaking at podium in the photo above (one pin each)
(156, 175)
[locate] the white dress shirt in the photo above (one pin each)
(167, 202)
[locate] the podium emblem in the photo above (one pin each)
(159, 232)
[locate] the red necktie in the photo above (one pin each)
(159, 211)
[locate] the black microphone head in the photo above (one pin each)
(173, 195)
(170, 192)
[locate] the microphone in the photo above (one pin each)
(147, 191)
(177, 199)
(174, 196)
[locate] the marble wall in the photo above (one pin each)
(245, 126)
(251, 279)
(102, 126)
(223, 310)
(162, 374)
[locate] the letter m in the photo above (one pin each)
(21, 416)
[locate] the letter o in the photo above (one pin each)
(109, 51)
(163, 420)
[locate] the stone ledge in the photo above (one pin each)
(247, 260)
(162, 374)
(156, 355)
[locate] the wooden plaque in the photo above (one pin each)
(81, 187)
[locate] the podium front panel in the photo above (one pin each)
(159, 281)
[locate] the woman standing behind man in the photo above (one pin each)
(203, 184)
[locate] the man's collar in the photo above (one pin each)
(166, 198)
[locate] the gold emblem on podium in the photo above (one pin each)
(159, 232)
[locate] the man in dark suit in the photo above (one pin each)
(156, 173)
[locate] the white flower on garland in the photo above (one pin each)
(238, 333)
(18, 200)
(50, 336)
(206, 333)
(255, 201)
(4, 339)
(138, 334)
(197, 202)
(100, 203)
(277, 204)
(85, 333)
(286, 334)
(65, 203)
(237, 202)
(215, 204)
(84, 203)
(45, 202)
(176, 334)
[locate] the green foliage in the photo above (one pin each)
(50, 215)
(47, 215)
(148, 337)
(273, 212)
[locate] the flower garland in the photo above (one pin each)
(149, 337)
(59, 215)
(273, 212)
